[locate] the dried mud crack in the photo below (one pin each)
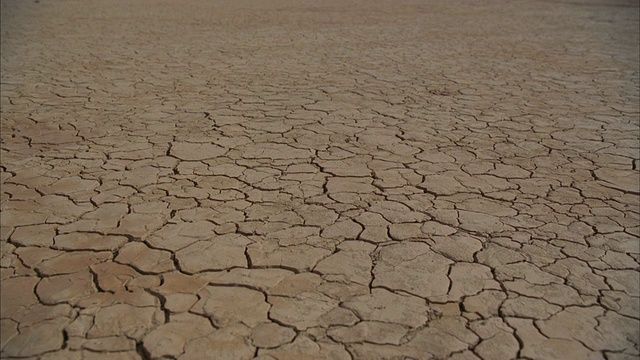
(326, 180)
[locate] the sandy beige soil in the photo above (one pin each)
(320, 179)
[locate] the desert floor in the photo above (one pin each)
(341, 179)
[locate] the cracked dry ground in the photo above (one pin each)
(311, 180)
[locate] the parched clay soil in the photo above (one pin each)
(340, 179)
